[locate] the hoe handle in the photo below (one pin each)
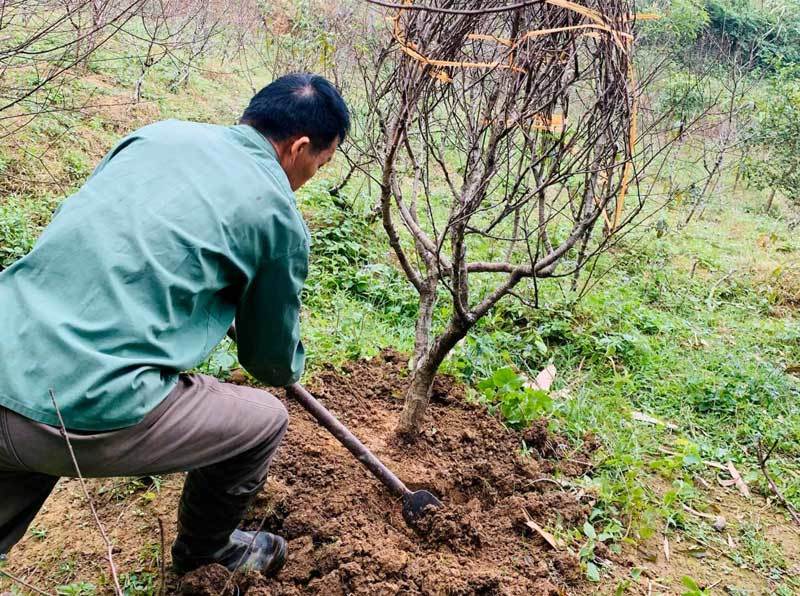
(348, 439)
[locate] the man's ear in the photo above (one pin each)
(299, 145)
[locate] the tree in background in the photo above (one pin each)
(47, 44)
(774, 138)
(723, 56)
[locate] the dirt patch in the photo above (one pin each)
(346, 533)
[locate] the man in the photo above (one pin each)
(181, 228)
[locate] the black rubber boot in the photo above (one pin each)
(259, 551)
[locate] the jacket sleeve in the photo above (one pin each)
(268, 321)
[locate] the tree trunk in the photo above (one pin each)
(417, 397)
(422, 333)
(769, 202)
(419, 389)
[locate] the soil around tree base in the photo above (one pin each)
(346, 533)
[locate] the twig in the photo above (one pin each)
(551, 480)
(244, 554)
(109, 547)
(162, 563)
(762, 463)
(22, 583)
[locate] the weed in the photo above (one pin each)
(77, 589)
(518, 403)
(66, 570)
(587, 552)
(762, 553)
(123, 488)
(222, 360)
(133, 584)
(692, 587)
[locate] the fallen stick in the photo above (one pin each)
(22, 583)
(762, 463)
(109, 546)
(737, 480)
(162, 590)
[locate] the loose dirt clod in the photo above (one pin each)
(346, 533)
(458, 526)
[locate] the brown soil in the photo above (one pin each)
(346, 533)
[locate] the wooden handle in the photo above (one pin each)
(348, 439)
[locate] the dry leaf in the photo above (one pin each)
(545, 378)
(737, 480)
(699, 513)
(793, 369)
(642, 417)
(548, 537)
(731, 543)
(666, 548)
(238, 376)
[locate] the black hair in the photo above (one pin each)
(299, 104)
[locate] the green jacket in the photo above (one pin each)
(181, 227)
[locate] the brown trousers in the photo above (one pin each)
(225, 435)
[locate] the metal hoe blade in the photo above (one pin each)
(415, 505)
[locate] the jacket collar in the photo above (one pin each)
(265, 150)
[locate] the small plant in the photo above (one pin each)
(221, 361)
(765, 555)
(612, 531)
(138, 583)
(518, 403)
(77, 589)
(66, 570)
(37, 532)
(692, 588)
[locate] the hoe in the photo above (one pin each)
(414, 503)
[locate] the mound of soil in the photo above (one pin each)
(346, 533)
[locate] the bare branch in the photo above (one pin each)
(109, 546)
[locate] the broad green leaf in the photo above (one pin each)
(589, 531)
(592, 572)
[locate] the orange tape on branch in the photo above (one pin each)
(633, 133)
(539, 32)
(554, 123)
(599, 25)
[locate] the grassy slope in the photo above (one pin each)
(697, 327)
